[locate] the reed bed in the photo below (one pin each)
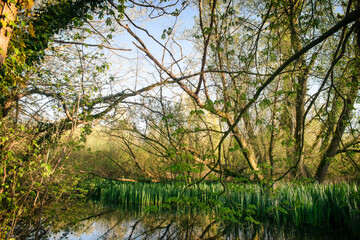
(153, 194)
(310, 204)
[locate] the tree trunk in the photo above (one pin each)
(8, 12)
(301, 89)
(248, 153)
(253, 140)
(335, 142)
(332, 150)
(342, 122)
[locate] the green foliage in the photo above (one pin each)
(33, 178)
(311, 204)
(33, 34)
(32, 181)
(52, 18)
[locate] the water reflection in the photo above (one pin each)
(110, 223)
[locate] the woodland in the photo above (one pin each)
(138, 91)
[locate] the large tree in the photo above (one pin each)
(275, 73)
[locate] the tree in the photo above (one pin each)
(32, 149)
(47, 95)
(244, 86)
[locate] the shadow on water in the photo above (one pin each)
(108, 222)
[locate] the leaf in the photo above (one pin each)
(282, 210)
(2, 52)
(13, 59)
(3, 23)
(17, 51)
(22, 43)
(29, 4)
(31, 30)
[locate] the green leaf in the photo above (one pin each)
(281, 209)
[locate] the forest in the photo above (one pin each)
(248, 107)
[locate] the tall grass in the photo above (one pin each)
(151, 194)
(317, 205)
(313, 204)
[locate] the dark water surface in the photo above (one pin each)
(111, 223)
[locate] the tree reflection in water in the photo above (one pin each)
(135, 224)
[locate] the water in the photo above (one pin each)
(98, 222)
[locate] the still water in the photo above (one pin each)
(111, 223)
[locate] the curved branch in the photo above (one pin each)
(351, 17)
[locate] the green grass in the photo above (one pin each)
(310, 204)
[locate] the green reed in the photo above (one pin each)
(313, 204)
(151, 194)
